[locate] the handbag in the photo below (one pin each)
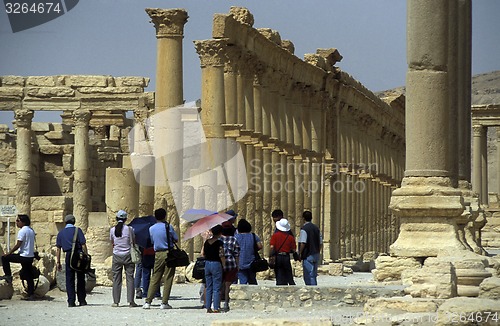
(79, 261)
(176, 257)
(259, 264)
(199, 268)
(135, 252)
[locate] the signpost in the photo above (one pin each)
(8, 211)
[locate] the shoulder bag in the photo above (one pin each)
(135, 253)
(272, 258)
(176, 257)
(259, 264)
(199, 268)
(79, 261)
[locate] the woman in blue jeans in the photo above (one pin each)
(213, 251)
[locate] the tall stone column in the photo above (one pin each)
(484, 167)
(23, 160)
(213, 113)
(479, 133)
(428, 215)
(81, 183)
(146, 190)
(169, 25)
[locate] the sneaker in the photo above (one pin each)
(115, 305)
(133, 305)
(147, 305)
(165, 306)
(215, 311)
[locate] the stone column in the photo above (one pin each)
(81, 183)
(146, 189)
(427, 215)
(258, 166)
(169, 25)
(122, 192)
(484, 167)
(23, 160)
(212, 57)
(479, 133)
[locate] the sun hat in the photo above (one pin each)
(283, 225)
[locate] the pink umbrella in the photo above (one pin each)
(206, 223)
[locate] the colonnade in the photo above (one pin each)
(312, 137)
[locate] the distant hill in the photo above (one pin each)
(485, 89)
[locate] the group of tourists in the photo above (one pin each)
(228, 253)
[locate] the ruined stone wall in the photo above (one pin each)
(51, 176)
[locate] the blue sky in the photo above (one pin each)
(114, 37)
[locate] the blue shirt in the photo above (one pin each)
(65, 238)
(158, 234)
(247, 253)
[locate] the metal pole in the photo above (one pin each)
(8, 233)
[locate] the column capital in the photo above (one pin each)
(81, 118)
(168, 22)
(478, 130)
(212, 53)
(23, 117)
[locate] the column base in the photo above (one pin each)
(428, 209)
(425, 237)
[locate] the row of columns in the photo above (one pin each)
(282, 127)
(24, 172)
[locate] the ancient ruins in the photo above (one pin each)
(395, 194)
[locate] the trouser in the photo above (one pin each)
(310, 267)
(120, 262)
(160, 270)
(213, 276)
(70, 282)
(26, 263)
(283, 270)
(247, 276)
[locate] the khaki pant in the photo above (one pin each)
(161, 271)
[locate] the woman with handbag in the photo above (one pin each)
(122, 238)
(213, 251)
(249, 243)
(282, 244)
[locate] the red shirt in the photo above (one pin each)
(284, 238)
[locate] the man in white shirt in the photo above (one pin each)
(26, 245)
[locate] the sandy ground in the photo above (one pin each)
(53, 310)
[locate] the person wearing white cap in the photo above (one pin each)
(122, 237)
(282, 244)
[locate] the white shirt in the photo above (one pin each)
(27, 236)
(121, 245)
